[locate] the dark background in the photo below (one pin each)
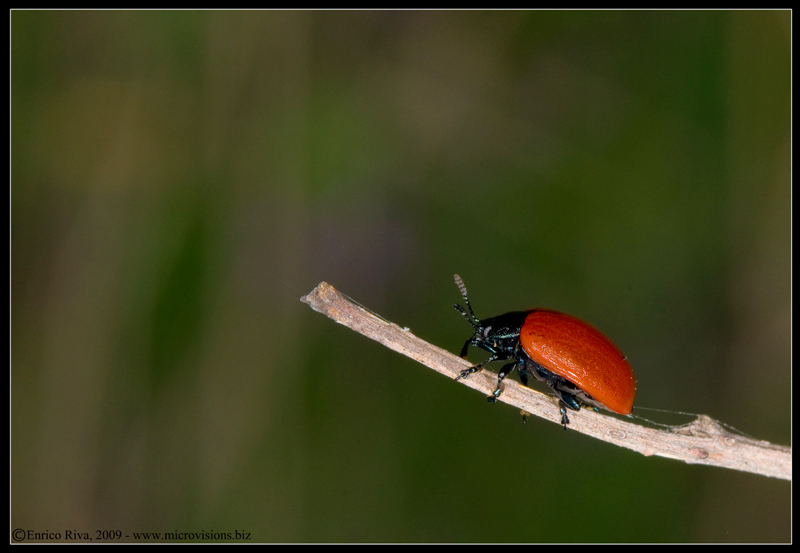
(180, 179)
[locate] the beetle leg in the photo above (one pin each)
(522, 373)
(507, 369)
(563, 408)
(565, 400)
(465, 349)
(466, 372)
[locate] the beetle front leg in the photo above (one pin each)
(466, 372)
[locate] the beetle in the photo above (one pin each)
(579, 363)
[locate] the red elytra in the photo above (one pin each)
(577, 351)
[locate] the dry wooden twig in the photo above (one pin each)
(704, 441)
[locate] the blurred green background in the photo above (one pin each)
(180, 179)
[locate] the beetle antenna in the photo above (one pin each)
(474, 321)
(464, 313)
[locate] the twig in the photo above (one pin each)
(703, 441)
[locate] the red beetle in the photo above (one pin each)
(576, 360)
